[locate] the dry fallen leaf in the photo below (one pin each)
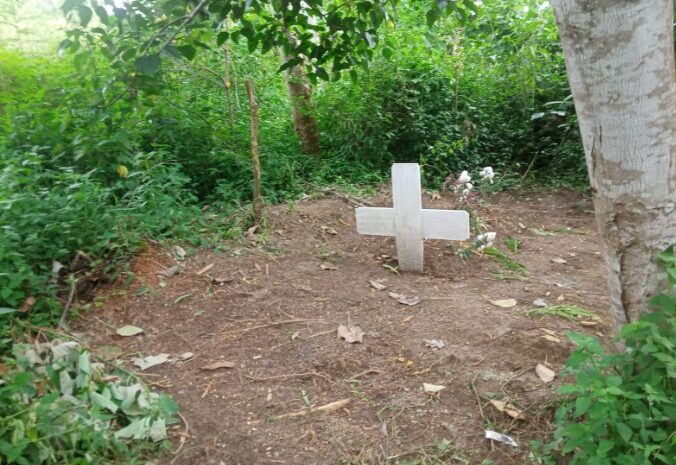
(560, 261)
(504, 303)
(589, 323)
(377, 285)
(27, 304)
(150, 361)
(129, 330)
(350, 334)
(545, 374)
(551, 338)
(329, 230)
(509, 409)
(540, 303)
(178, 252)
(183, 357)
(249, 234)
(435, 343)
(218, 365)
(328, 266)
(405, 300)
(432, 388)
(222, 280)
(169, 272)
(205, 269)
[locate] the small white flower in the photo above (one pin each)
(469, 186)
(485, 240)
(464, 178)
(487, 174)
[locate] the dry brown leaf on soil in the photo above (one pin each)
(169, 272)
(350, 334)
(205, 269)
(551, 338)
(222, 280)
(405, 300)
(329, 230)
(589, 323)
(129, 330)
(249, 234)
(326, 408)
(218, 365)
(150, 361)
(504, 303)
(560, 261)
(509, 409)
(328, 266)
(432, 388)
(178, 252)
(545, 374)
(377, 285)
(27, 304)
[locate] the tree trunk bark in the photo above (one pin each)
(304, 123)
(255, 155)
(620, 61)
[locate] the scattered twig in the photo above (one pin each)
(64, 314)
(275, 323)
(366, 372)
(476, 394)
(326, 408)
(294, 375)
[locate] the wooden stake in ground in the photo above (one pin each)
(255, 155)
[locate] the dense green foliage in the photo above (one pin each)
(57, 406)
(621, 409)
(90, 161)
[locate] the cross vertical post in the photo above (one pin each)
(408, 215)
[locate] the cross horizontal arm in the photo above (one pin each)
(437, 224)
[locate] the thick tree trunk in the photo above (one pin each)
(305, 124)
(620, 60)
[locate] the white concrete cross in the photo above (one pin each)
(408, 222)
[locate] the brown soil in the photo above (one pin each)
(283, 366)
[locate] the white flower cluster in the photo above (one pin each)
(464, 182)
(487, 174)
(485, 240)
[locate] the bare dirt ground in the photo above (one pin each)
(274, 311)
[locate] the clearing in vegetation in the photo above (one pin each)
(270, 381)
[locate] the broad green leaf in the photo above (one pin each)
(582, 404)
(101, 13)
(158, 430)
(148, 65)
(137, 429)
(221, 38)
(188, 51)
(103, 400)
(85, 15)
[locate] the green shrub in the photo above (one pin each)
(621, 409)
(58, 406)
(49, 215)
